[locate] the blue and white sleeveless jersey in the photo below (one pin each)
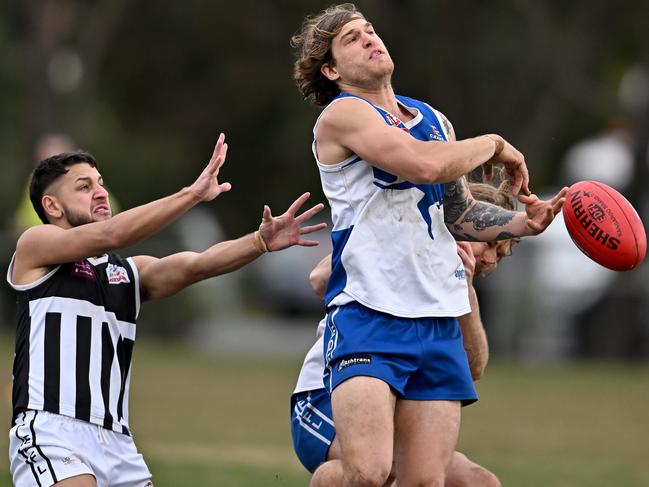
(392, 251)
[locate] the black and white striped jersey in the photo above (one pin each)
(74, 340)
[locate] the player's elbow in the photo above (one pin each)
(318, 282)
(477, 372)
(424, 171)
(478, 367)
(108, 237)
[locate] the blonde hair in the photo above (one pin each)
(499, 196)
(313, 49)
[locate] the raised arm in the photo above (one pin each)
(473, 333)
(469, 219)
(352, 126)
(47, 245)
(164, 277)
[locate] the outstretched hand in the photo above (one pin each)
(207, 186)
(280, 232)
(540, 213)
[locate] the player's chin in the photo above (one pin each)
(103, 216)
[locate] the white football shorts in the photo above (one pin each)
(45, 448)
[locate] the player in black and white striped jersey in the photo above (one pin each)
(77, 307)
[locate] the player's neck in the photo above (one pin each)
(382, 97)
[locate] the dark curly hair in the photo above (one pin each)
(313, 49)
(48, 171)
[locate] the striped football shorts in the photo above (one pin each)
(45, 448)
(312, 427)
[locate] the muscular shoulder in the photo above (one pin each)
(341, 125)
(345, 113)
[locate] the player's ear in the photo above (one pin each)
(329, 71)
(52, 207)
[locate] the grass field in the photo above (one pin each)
(203, 420)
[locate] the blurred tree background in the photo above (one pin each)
(146, 86)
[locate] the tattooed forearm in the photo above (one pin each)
(456, 200)
(483, 216)
(456, 231)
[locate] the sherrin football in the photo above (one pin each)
(604, 225)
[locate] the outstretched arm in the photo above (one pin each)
(47, 245)
(473, 332)
(164, 277)
(469, 219)
(353, 126)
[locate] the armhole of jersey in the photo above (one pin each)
(31, 285)
(136, 279)
(440, 120)
(338, 165)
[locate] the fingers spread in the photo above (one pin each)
(298, 203)
(312, 228)
(308, 243)
(309, 213)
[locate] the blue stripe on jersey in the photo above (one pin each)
(338, 277)
(383, 176)
(354, 161)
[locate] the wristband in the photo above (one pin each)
(259, 242)
(500, 143)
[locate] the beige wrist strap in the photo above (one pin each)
(259, 243)
(500, 143)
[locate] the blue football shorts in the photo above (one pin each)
(312, 427)
(421, 359)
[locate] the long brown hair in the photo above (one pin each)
(313, 49)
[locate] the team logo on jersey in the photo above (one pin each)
(117, 274)
(394, 121)
(436, 135)
(83, 269)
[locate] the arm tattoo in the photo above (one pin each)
(484, 215)
(456, 200)
(448, 127)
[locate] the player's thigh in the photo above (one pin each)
(426, 433)
(78, 481)
(363, 409)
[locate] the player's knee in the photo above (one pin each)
(487, 479)
(370, 474)
(474, 475)
(428, 481)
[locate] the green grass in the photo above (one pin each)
(207, 421)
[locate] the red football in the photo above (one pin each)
(604, 225)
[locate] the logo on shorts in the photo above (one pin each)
(69, 460)
(117, 274)
(346, 362)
